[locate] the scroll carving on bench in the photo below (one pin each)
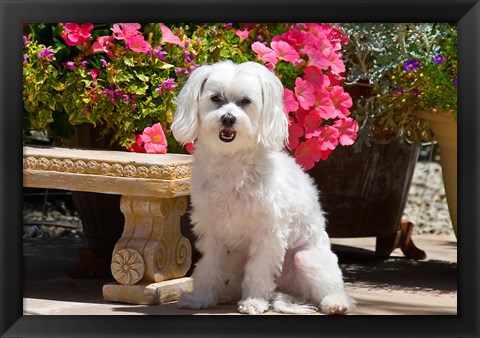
(151, 258)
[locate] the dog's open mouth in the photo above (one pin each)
(227, 135)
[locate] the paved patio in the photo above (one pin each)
(394, 286)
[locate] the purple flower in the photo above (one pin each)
(25, 40)
(214, 31)
(398, 92)
(228, 26)
(455, 81)
(169, 84)
(159, 53)
(104, 63)
(412, 64)
(438, 59)
(85, 64)
(45, 54)
(159, 90)
(25, 57)
(69, 65)
(415, 92)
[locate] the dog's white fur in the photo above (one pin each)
(256, 213)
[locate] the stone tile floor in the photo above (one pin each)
(394, 286)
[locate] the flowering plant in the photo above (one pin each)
(405, 69)
(126, 77)
(307, 59)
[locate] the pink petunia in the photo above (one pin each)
(307, 153)
(243, 34)
(295, 131)
(305, 93)
(76, 34)
(318, 42)
(265, 53)
(325, 105)
(348, 130)
(121, 31)
(318, 59)
(312, 124)
(336, 63)
(103, 44)
(285, 51)
(138, 44)
(289, 102)
(154, 139)
(316, 77)
(168, 36)
(328, 138)
(341, 100)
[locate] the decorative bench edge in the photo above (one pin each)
(131, 169)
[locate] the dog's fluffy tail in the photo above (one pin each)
(287, 304)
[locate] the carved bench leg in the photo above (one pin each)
(403, 240)
(150, 258)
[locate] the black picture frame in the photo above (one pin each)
(14, 12)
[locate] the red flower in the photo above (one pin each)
(307, 153)
(295, 131)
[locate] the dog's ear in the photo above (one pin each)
(185, 122)
(273, 121)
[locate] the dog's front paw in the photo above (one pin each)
(253, 306)
(196, 300)
(337, 304)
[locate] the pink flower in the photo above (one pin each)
(305, 93)
(265, 53)
(325, 106)
(285, 51)
(348, 129)
(242, 34)
(121, 31)
(316, 77)
(103, 44)
(154, 139)
(328, 138)
(168, 36)
(336, 63)
(341, 101)
(295, 131)
(307, 153)
(312, 124)
(318, 59)
(45, 54)
(138, 44)
(318, 42)
(75, 34)
(289, 102)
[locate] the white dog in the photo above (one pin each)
(256, 213)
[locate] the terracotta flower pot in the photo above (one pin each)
(445, 131)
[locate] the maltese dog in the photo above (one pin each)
(256, 213)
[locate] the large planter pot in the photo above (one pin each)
(445, 131)
(364, 194)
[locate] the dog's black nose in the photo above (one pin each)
(228, 120)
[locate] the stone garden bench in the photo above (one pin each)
(151, 258)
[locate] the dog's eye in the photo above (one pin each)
(216, 99)
(245, 101)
